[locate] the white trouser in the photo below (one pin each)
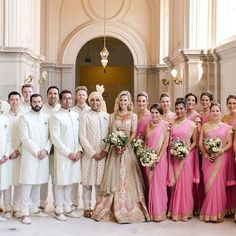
(75, 194)
(87, 195)
(44, 193)
(7, 199)
(62, 198)
(7, 196)
(16, 197)
(29, 192)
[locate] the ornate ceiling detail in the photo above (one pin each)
(94, 8)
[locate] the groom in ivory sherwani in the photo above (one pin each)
(94, 128)
(34, 165)
(64, 129)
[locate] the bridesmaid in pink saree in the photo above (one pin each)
(193, 115)
(206, 98)
(144, 114)
(185, 169)
(230, 119)
(165, 102)
(157, 138)
(214, 166)
(234, 149)
(144, 117)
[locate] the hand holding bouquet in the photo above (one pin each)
(118, 139)
(147, 156)
(213, 146)
(137, 143)
(179, 149)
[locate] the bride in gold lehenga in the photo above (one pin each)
(121, 196)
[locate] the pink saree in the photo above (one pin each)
(141, 131)
(194, 116)
(198, 197)
(157, 195)
(201, 188)
(231, 171)
(186, 172)
(142, 125)
(205, 117)
(214, 177)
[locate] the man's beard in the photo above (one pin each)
(36, 108)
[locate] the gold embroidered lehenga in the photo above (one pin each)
(121, 196)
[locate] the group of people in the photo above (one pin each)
(67, 143)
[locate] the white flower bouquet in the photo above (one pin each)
(213, 145)
(147, 156)
(118, 139)
(137, 143)
(179, 149)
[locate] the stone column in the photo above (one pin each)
(198, 71)
(227, 55)
(140, 79)
(17, 66)
(60, 75)
(19, 44)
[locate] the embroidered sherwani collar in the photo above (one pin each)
(65, 110)
(14, 114)
(35, 113)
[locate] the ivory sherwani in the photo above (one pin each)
(64, 129)
(25, 107)
(81, 110)
(34, 134)
(94, 128)
(4, 151)
(14, 164)
(15, 144)
(75, 197)
(49, 110)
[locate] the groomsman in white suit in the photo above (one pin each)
(13, 116)
(81, 95)
(4, 160)
(50, 107)
(94, 128)
(64, 129)
(36, 145)
(27, 90)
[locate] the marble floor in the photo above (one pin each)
(48, 226)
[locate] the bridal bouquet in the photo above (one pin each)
(147, 156)
(179, 149)
(137, 143)
(118, 139)
(213, 145)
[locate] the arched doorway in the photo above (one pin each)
(119, 73)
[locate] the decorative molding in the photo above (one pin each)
(122, 7)
(129, 36)
(227, 50)
(21, 50)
